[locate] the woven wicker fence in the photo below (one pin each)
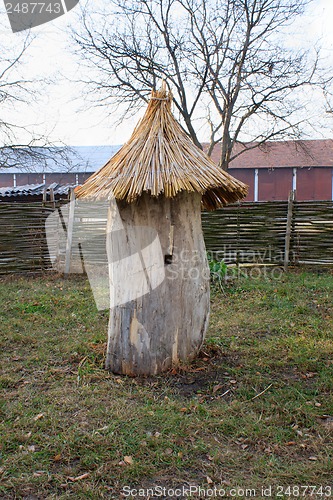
(244, 233)
(23, 245)
(258, 233)
(247, 233)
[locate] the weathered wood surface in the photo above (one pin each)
(70, 228)
(288, 231)
(157, 323)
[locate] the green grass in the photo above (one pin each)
(256, 407)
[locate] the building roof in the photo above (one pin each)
(34, 190)
(277, 154)
(160, 159)
(273, 154)
(71, 160)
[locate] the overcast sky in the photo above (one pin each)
(61, 110)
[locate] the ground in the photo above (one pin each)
(254, 410)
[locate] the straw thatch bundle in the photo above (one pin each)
(160, 159)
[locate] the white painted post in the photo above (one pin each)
(294, 185)
(256, 184)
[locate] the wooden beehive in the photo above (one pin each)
(160, 181)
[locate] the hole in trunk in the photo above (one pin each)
(167, 259)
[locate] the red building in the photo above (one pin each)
(271, 170)
(276, 168)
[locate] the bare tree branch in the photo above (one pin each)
(16, 90)
(223, 56)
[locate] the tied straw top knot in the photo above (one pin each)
(161, 95)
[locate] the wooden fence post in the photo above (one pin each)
(52, 198)
(237, 241)
(288, 229)
(70, 227)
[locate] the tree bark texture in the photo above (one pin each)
(159, 284)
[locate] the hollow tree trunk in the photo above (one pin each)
(159, 284)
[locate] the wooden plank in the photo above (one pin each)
(70, 227)
(288, 230)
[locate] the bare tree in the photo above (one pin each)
(224, 60)
(17, 92)
(328, 96)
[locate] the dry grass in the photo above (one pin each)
(66, 425)
(160, 159)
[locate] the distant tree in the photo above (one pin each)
(16, 92)
(224, 60)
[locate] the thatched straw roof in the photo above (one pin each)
(160, 159)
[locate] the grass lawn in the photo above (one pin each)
(255, 409)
